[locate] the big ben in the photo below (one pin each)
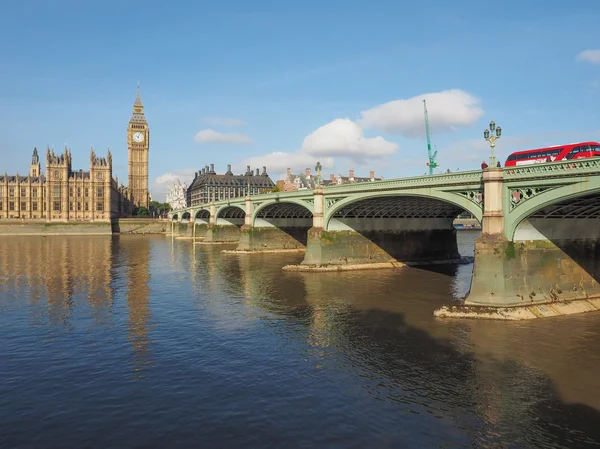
(138, 144)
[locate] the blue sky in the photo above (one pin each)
(283, 84)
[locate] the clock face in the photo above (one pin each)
(138, 137)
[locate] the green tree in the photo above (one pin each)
(140, 211)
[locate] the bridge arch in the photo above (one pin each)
(282, 209)
(418, 204)
(185, 216)
(202, 214)
(175, 217)
(578, 200)
(230, 211)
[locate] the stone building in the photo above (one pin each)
(176, 196)
(64, 194)
(208, 186)
(308, 181)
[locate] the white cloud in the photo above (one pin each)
(223, 121)
(278, 162)
(447, 110)
(343, 137)
(592, 56)
(209, 135)
(163, 183)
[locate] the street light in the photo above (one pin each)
(318, 168)
(489, 136)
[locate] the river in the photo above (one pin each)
(143, 342)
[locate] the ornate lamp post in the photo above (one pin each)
(489, 136)
(318, 168)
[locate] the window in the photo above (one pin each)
(56, 205)
(11, 205)
(78, 192)
(11, 191)
(100, 192)
(34, 192)
(0, 191)
(100, 206)
(1, 204)
(56, 192)
(78, 205)
(34, 206)
(23, 191)
(70, 205)
(87, 206)
(70, 191)
(23, 206)
(87, 192)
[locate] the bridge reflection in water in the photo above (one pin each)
(164, 334)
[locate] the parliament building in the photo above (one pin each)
(63, 194)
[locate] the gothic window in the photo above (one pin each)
(99, 176)
(0, 191)
(11, 205)
(100, 192)
(56, 174)
(100, 206)
(70, 191)
(11, 191)
(23, 206)
(56, 206)
(34, 172)
(34, 192)
(1, 205)
(71, 205)
(23, 191)
(86, 192)
(56, 192)
(87, 206)
(78, 205)
(34, 206)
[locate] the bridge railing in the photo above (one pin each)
(465, 177)
(561, 168)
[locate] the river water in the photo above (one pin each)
(143, 342)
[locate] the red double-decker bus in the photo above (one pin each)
(577, 150)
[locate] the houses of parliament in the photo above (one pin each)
(63, 194)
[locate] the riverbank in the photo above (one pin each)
(120, 226)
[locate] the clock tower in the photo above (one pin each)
(138, 144)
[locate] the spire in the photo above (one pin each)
(138, 99)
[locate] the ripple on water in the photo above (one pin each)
(145, 342)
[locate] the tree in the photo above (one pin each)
(140, 211)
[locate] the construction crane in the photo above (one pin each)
(430, 153)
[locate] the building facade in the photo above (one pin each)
(64, 194)
(176, 196)
(308, 181)
(208, 186)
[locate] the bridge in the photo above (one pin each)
(540, 237)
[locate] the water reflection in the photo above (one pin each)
(226, 346)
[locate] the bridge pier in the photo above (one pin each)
(521, 273)
(392, 247)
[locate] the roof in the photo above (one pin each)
(211, 179)
(21, 179)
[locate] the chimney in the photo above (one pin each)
(212, 168)
(308, 172)
(229, 169)
(332, 177)
(248, 171)
(264, 170)
(257, 172)
(372, 175)
(289, 173)
(351, 175)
